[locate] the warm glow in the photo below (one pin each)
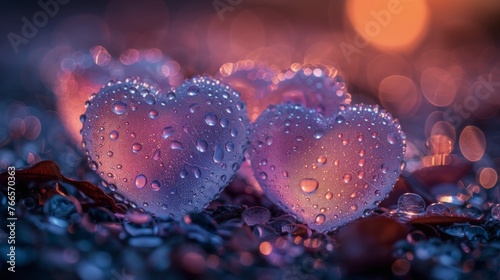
(487, 177)
(472, 143)
(265, 248)
(389, 24)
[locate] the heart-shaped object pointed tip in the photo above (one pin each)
(327, 171)
(169, 152)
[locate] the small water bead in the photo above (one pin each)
(113, 135)
(201, 145)
(362, 162)
(136, 147)
(360, 137)
(321, 160)
(132, 135)
(411, 204)
(384, 168)
(157, 155)
(234, 132)
(229, 146)
(345, 142)
(354, 207)
(347, 178)
(476, 233)
(308, 185)
(320, 218)
(93, 165)
(329, 195)
(193, 107)
(167, 132)
(339, 119)
(224, 122)
(193, 90)
(109, 153)
(211, 119)
(183, 174)
(256, 215)
(269, 140)
(336, 162)
(284, 174)
(83, 118)
(437, 209)
(155, 185)
(472, 212)
(218, 154)
(362, 152)
(197, 173)
(361, 174)
(176, 145)
(319, 133)
(391, 138)
(119, 107)
(140, 181)
(153, 114)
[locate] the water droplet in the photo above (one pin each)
(329, 195)
(308, 185)
(184, 173)
(354, 207)
(119, 107)
(140, 181)
(437, 209)
(319, 133)
(193, 90)
(377, 192)
(113, 135)
(234, 132)
(269, 140)
(136, 147)
(211, 119)
(321, 160)
(362, 162)
(320, 218)
(362, 152)
(391, 138)
(347, 178)
(224, 122)
(410, 204)
(384, 168)
(218, 154)
(339, 119)
(361, 174)
(256, 215)
(155, 186)
(109, 153)
(93, 165)
(201, 145)
(149, 99)
(167, 132)
(176, 145)
(153, 114)
(197, 173)
(263, 175)
(229, 146)
(157, 154)
(360, 137)
(495, 212)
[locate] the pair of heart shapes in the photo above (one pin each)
(172, 152)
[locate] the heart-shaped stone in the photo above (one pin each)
(327, 171)
(168, 152)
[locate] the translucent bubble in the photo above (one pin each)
(155, 186)
(308, 185)
(201, 145)
(218, 154)
(176, 145)
(476, 233)
(269, 140)
(319, 133)
(167, 132)
(153, 114)
(410, 204)
(347, 178)
(136, 147)
(229, 146)
(329, 195)
(438, 209)
(113, 135)
(263, 175)
(119, 107)
(320, 219)
(211, 119)
(495, 212)
(193, 90)
(391, 138)
(140, 181)
(321, 160)
(339, 119)
(256, 215)
(472, 212)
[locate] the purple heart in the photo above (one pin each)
(168, 152)
(327, 171)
